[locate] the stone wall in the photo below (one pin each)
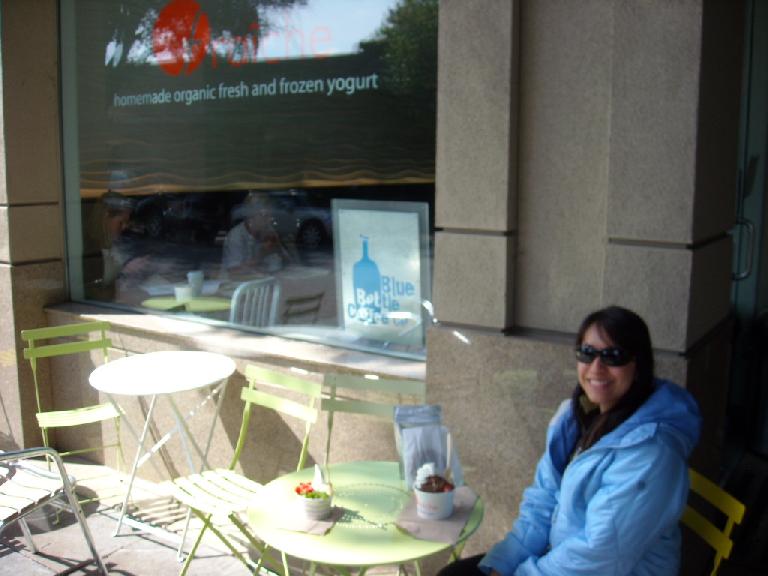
(616, 186)
(31, 219)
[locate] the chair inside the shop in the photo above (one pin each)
(303, 309)
(254, 303)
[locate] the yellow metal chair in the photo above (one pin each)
(718, 538)
(66, 340)
(25, 487)
(224, 493)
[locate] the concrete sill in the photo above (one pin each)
(138, 333)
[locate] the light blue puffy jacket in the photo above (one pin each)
(614, 509)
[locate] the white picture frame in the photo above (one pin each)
(382, 270)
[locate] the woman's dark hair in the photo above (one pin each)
(628, 331)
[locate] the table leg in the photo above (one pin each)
(130, 427)
(286, 570)
(139, 451)
(168, 435)
(221, 388)
(186, 437)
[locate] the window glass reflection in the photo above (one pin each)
(214, 136)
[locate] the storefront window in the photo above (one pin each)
(211, 146)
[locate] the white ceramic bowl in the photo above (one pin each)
(313, 508)
(434, 505)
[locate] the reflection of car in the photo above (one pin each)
(201, 216)
(296, 217)
(197, 215)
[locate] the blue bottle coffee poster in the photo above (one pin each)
(379, 264)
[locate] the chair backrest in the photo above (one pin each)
(63, 340)
(339, 386)
(254, 303)
(268, 388)
(718, 538)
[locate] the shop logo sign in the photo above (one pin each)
(181, 36)
(376, 297)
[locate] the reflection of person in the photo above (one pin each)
(613, 481)
(120, 261)
(117, 215)
(253, 244)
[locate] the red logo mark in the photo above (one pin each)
(181, 36)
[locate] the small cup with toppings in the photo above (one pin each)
(313, 504)
(434, 494)
(314, 498)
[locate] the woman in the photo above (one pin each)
(613, 481)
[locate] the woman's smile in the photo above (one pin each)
(604, 385)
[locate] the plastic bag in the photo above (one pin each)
(421, 438)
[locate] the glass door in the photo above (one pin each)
(748, 410)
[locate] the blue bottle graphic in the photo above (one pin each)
(366, 281)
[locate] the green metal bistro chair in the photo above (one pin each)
(25, 487)
(343, 395)
(341, 387)
(223, 493)
(67, 340)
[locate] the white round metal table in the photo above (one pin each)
(164, 374)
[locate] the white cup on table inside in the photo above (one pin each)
(195, 279)
(183, 293)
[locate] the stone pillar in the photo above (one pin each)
(31, 222)
(588, 159)
(476, 216)
(673, 166)
(476, 200)
(672, 189)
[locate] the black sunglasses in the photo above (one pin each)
(612, 356)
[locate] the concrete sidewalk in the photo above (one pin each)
(143, 548)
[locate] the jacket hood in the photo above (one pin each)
(670, 410)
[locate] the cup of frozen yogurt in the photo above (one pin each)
(434, 494)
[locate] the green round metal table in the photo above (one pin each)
(372, 495)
